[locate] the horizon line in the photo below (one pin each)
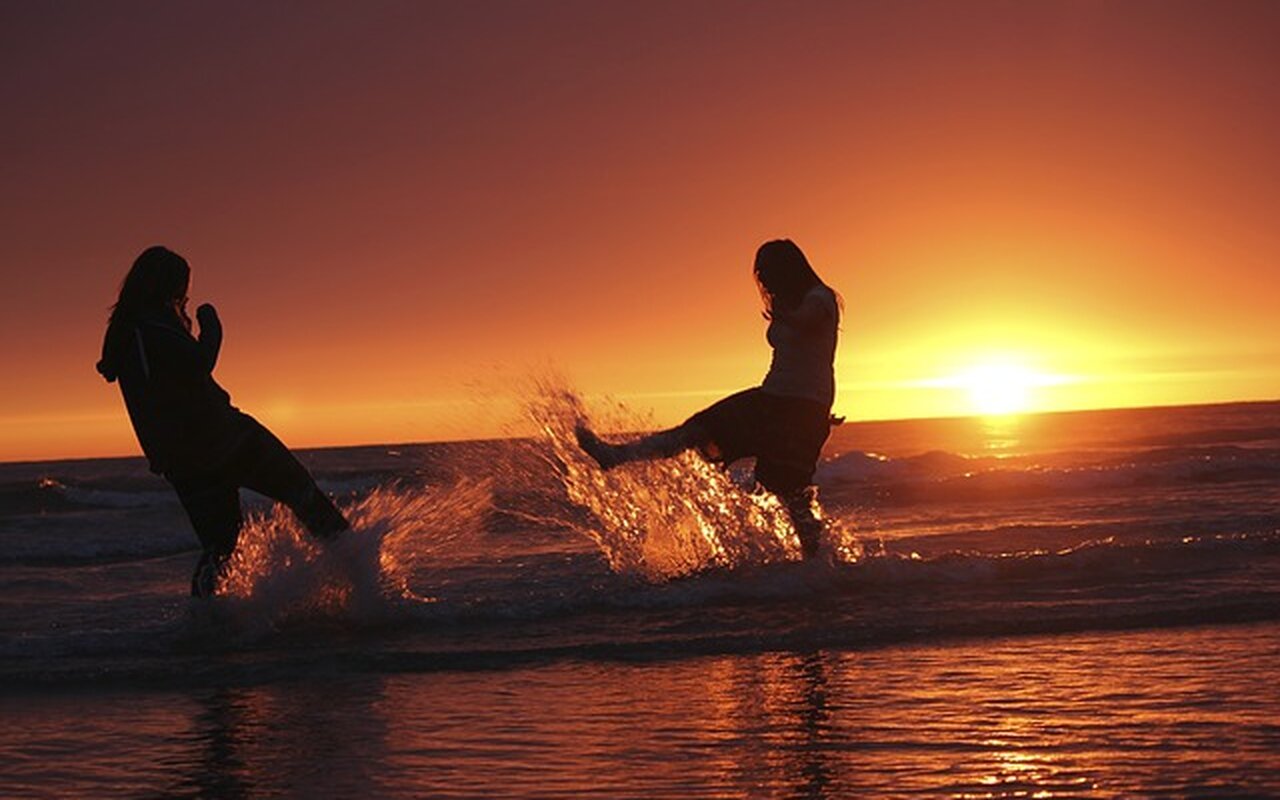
(489, 439)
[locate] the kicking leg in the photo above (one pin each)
(275, 472)
(663, 444)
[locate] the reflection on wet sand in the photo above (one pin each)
(1184, 712)
(315, 740)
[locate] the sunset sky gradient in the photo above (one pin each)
(403, 211)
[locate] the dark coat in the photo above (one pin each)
(183, 419)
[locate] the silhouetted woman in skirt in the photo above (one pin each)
(785, 420)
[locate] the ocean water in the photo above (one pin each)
(1067, 605)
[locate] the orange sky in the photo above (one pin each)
(402, 211)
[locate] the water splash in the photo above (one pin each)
(280, 573)
(670, 518)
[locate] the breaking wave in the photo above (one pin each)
(948, 476)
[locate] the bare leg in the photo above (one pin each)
(804, 518)
(663, 444)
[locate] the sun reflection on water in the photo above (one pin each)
(1001, 435)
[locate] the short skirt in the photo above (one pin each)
(784, 434)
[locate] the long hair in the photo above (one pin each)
(783, 274)
(157, 281)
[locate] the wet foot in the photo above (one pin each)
(208, 573)
(604, 454)
(810, 539)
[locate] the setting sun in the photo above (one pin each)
(997, 388)
(385, 378)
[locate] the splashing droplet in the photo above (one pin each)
(280, 573)
(671, 518)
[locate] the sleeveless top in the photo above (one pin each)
(803, 363)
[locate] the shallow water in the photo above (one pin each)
(1185, 712)
(1059, 606)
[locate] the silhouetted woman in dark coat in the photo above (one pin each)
(191, 434)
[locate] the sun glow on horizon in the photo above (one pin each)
(999, 386)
